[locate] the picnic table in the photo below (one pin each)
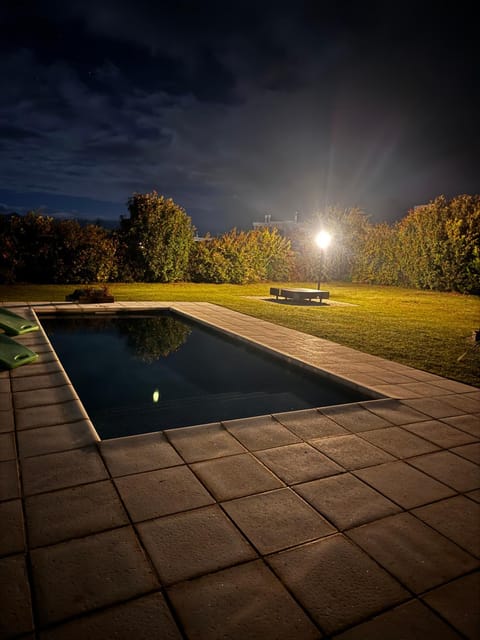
(300, 295)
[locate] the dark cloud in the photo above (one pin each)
(235, 109)
(16, 133)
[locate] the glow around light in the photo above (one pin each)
(156, 395)
(323, 239)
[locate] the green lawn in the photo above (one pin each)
(428, 330)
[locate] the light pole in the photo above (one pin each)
(322, 240)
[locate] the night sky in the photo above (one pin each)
(237, 108)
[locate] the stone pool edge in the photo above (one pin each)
(54, 464)
(378, 377)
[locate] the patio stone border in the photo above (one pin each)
(350, 521)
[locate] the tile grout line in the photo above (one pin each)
(27, 550)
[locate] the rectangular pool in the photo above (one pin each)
(142, 373)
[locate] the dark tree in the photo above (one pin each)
(158, 238)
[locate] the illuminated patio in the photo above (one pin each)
(354, 521)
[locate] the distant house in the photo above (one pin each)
(297, 232)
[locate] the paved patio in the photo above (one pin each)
(355, 521)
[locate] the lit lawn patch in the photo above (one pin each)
(428, 330)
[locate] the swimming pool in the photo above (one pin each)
(141, 373)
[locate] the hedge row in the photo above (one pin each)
(436, 246)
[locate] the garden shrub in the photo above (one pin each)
(157, 239)
(239, 257)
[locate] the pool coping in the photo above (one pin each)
(45, 421)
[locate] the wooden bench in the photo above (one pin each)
(300, 295)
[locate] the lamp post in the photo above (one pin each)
(322, 240)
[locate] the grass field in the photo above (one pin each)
(428, 330)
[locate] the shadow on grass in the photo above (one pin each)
(304, 303)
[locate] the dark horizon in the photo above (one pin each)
(236, 110)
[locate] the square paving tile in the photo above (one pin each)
(355, 418)
(433, 407)
(310, 423)
(409, 621)
(146, 618)
(138, 453)
(5, 402)
(44, 396)
(40, 367)
(458, 602)
(453, 470)
(351, 452)
(298, 463)
(203, 442)
(336, 582)
(346, 501)
(6, 421)
(457, 518)
(403, 484)
(7, 447)
(440, 433)
(463, 402)
(469, 451)
(74, 435)
(260, 433)
(452, 386)
(277, 520)
(235, 476)
(470, 424)
(61, 470)
(475, 394)
(74, 512)
(474, 495)
(39, 382)
(422, 389)
(387, 375)
(162, 492)
(49, 415)
(243, 602)
(16, 611)
(417, 555)
(12, 537)
(189, 544)
(84, 574)
(395, 412)
(9, 480)
(398, 391)
(38, 342)
(399, 442)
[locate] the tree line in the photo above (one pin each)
(435, 246)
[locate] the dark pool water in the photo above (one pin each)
(138, 374)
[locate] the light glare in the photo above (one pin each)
(323, 239)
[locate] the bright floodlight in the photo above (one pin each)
(323, 239)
